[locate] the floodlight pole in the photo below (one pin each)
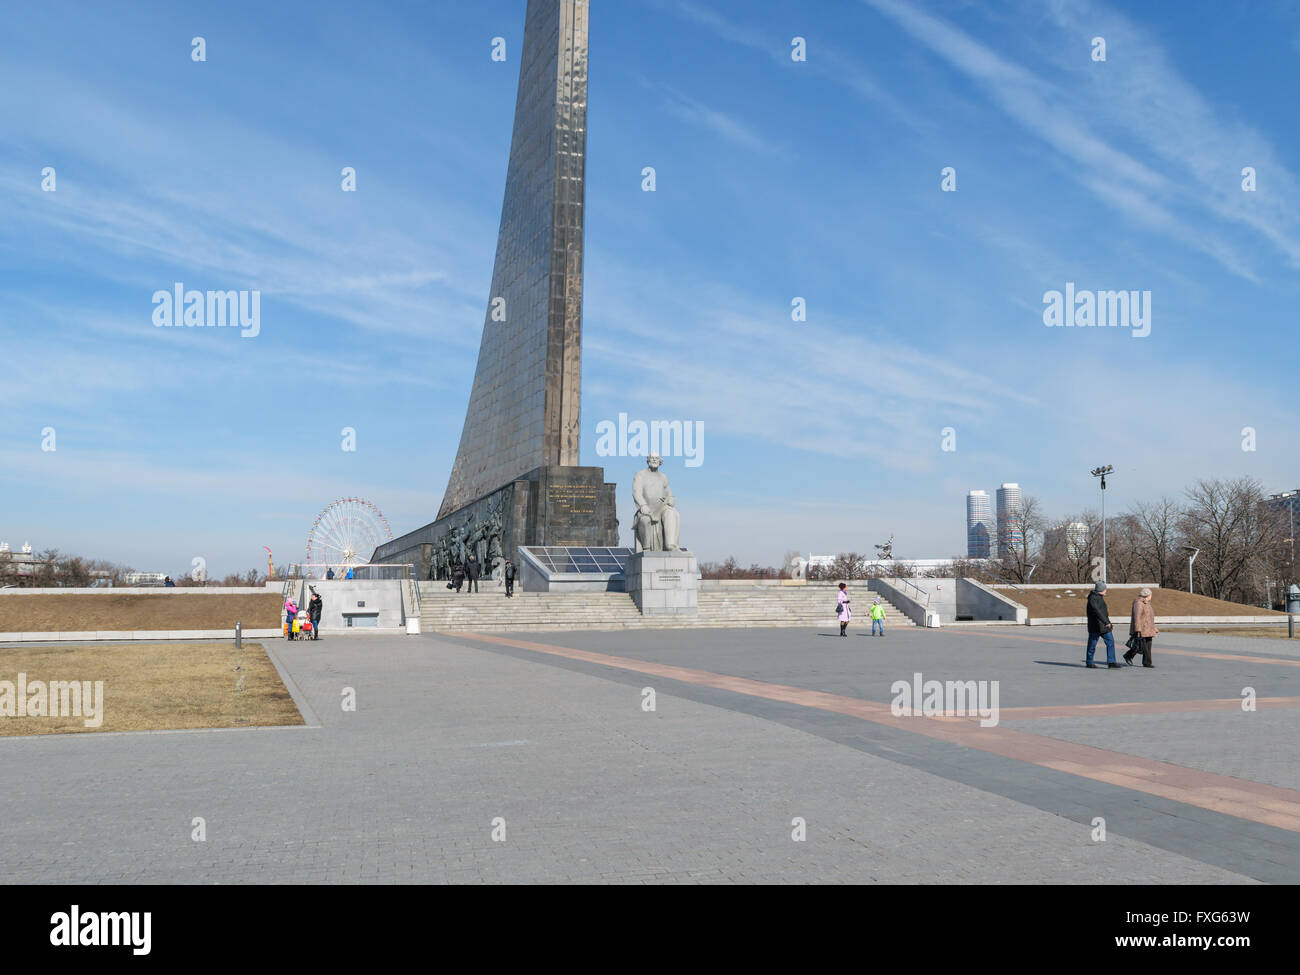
(1102, 472)
(1104, 566)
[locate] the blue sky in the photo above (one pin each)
(775, 180)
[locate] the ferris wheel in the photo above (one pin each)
(346, 532)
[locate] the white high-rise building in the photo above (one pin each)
(1073, 535)
(979, 525)
(1011, 515)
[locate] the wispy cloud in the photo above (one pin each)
(825, 62)
(725, 126)
(834, 387)
(1149, 104)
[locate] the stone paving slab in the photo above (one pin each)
(791, 657)
(1261, 746)
(591, 788)
(1029, 669)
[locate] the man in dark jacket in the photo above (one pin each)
(471, 574)
(509, 572)
(314, 607)
(1099, 626)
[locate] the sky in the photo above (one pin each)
(775, 179)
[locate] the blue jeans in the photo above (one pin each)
(879, 623)
(1110, 645)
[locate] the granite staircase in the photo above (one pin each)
(729, 606)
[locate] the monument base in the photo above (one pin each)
(546, 506)
(664, 583)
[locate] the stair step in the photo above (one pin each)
(488, 610)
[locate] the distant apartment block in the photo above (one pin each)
(979, 525)
(1073, 536)
(1011, 529)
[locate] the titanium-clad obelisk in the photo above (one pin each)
(516, 479)
(523, 410)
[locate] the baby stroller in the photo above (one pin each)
(302, 624)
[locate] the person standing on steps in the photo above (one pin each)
(842, 608)
(1099, 626)
(1142, 625)
(877, 617)
(509, 573)
(471, 574)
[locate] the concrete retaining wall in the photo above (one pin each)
(906, 605)
(91, 636)
(943, 596)
(144, 591)
(384, 599)
(980, 602)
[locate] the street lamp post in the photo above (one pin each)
(1293, 494)
(1101, 472)
(1195, 552)
(1030, 577)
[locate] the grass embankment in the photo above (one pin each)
(148, 687)
(1046, 603)
(172, 610)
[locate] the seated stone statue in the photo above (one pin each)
(656, 523)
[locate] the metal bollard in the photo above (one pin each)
(239, 634)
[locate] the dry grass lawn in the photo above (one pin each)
(153, 686)
(1042, 603)
(1165, 602)
(174, 609)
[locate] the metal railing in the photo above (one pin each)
(368, 571)
(896, 580)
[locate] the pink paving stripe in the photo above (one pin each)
(1138, 707)
(1156, 650)
(1268, 804)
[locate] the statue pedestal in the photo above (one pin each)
(664, 583)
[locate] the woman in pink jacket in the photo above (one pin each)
(290, 611)
(842, 609)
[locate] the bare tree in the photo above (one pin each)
(849, 566)
(1072, 549)
(1021, 546)
(1123, 557)
(1158, 543)
(978, 569)
(1229, 522)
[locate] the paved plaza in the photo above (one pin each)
(546, 735)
